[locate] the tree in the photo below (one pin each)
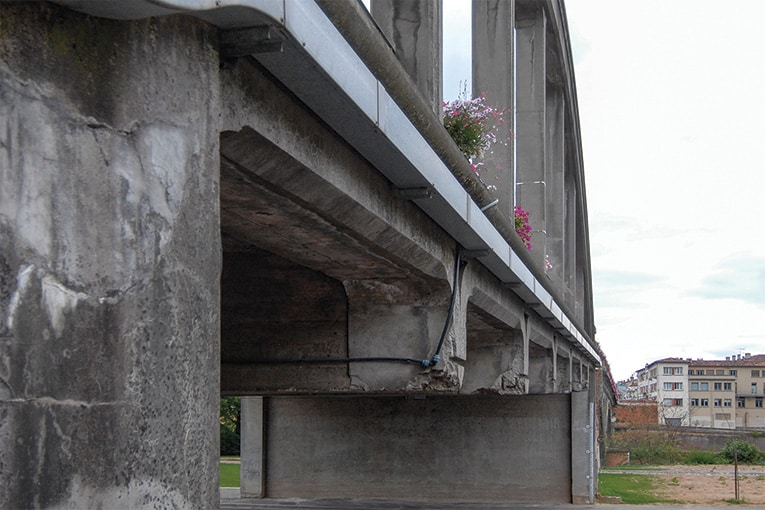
(230, 427)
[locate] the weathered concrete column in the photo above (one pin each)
(555, 371)
(252, 473)
(531, 120)
(415, 30)
(583, 483)
(541, 370)
(555, 215)
(526, 333)
(494, 76)
(109, 261)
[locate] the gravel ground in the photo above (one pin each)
(707, 484)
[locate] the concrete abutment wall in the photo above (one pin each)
(434, 448)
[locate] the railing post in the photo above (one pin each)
(493, 34)
(415, 29)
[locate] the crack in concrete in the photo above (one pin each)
(51, 402)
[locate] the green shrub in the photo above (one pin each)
(230, 409)
(662, 452)
(702, 457)
(229, 442)
(746, 453)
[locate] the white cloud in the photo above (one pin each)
(671, 118)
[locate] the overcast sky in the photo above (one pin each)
(672, 112)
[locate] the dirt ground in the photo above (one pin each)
(710, 484)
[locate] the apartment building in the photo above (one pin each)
(725, 393)
(666, 382)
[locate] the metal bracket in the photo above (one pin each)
(413, 193)
(250, 41)
(474, 254)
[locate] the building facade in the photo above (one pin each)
(665, 382)
(725, 394)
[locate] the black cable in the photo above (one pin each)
(457, 263)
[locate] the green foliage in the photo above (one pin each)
(473, 125)
(229, 442)
(659, 453)
(702, 457)
(229, 475)
(230, 409)
(746, 453)
(633, 489)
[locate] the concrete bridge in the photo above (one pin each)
(258, 198)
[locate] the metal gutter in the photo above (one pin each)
(316, 62)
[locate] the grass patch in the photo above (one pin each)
(229, 475)
(633, 489)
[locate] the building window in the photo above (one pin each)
(718, 402)
(741, 403)
(758, 402)
(718, 386)
(694, 402)
(667, 402)
(719, 372)
(694, 386)
(727, 402)
(754, 388)
(732, 372)
(727, 386)
(704, 402)
(710, 372)
(755, 373)
(667, 386)
(677, 402)
(704, 386)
